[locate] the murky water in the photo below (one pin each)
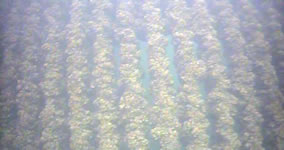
(141, 75)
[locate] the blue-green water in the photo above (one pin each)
(60, 83)
(170, 51)
(144, 68)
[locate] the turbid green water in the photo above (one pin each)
(170, 51)
(144, 67)
(50, 51)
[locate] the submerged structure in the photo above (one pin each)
(142, 75)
